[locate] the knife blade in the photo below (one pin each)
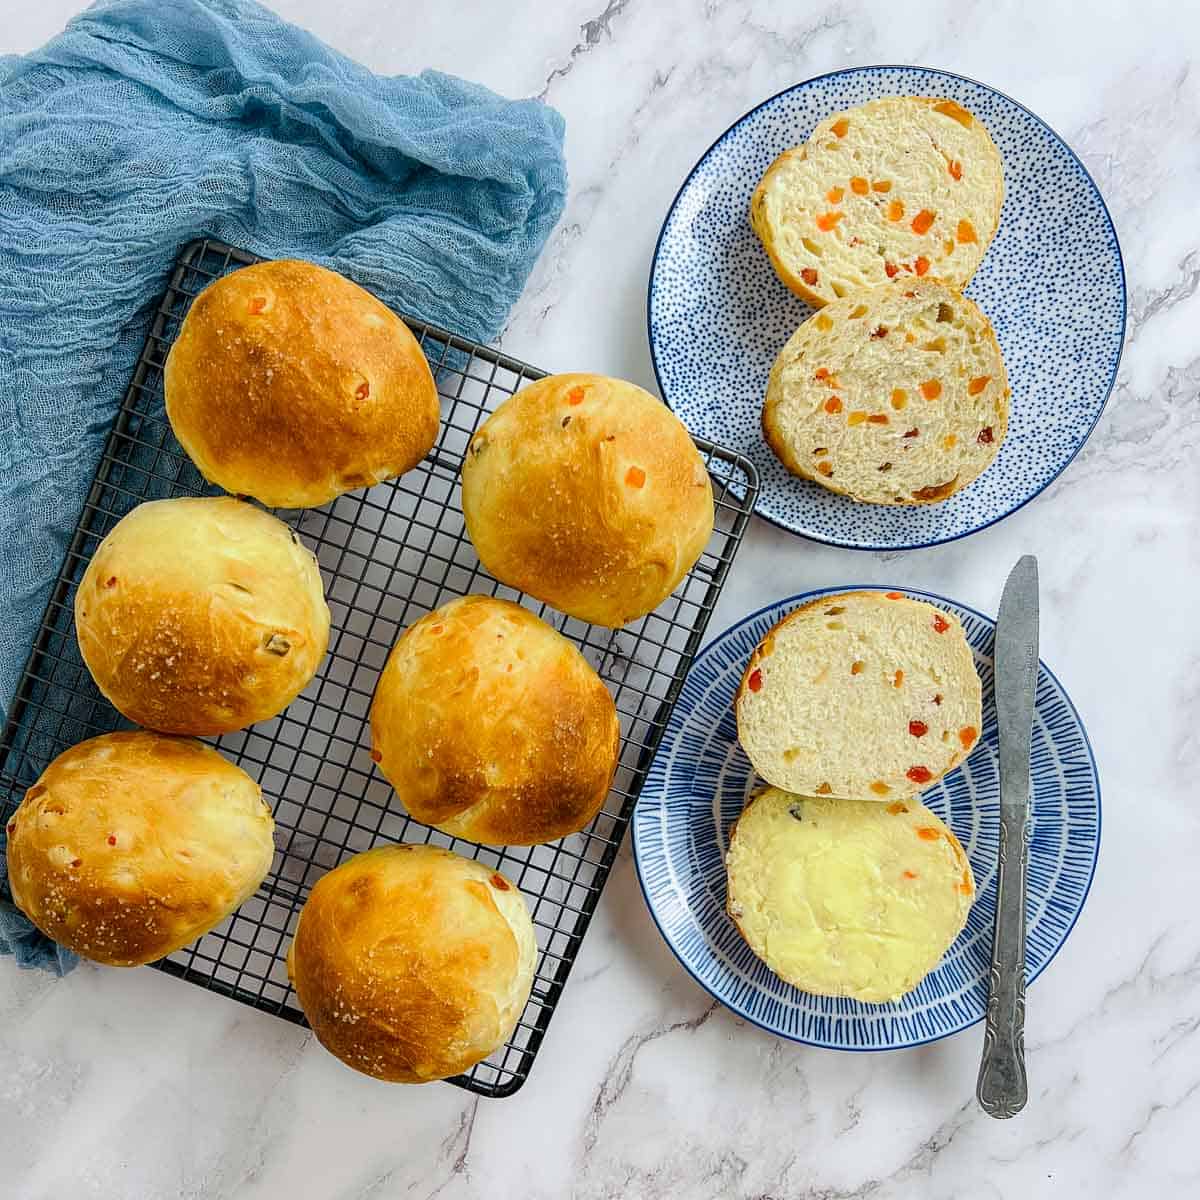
(1002, 1088)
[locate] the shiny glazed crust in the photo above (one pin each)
(201, 615)
(131, 845)
(493, 727)
(412, 963)
(587, 493)
(291, 384)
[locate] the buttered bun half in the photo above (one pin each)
(291, 384)
(845, 897)
(132, 845)
(201, 615)
(587, 492)
(412, 963)
(492, 727)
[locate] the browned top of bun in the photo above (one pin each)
(587, 493)
(412, 963)
(201, 615)
(291, 384)
(492, 726)
(131, 845)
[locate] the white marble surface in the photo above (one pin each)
(131, 1084)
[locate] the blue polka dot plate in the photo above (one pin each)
(700, 781)
(1052, 283)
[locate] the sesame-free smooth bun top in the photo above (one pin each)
(201, 615)
(132, 845)
(492, 726)
(863, 695)
(587, 493)
(412, 963)
(845, 897)
(291, 384)
(901, 187)
(895, 394)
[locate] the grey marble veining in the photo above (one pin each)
(132, 1085)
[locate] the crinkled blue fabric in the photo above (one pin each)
(145, 124)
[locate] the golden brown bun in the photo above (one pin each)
(493, 727)
(201, 615)
(412, 963)
(589, 494)
(132, 845)
(291, 384)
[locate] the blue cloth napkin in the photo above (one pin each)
(144, 124)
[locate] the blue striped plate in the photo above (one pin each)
(700, 780)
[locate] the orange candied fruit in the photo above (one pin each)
(940, 624)
(882, 185)
(898, 678)
(966, 232)
(840, 127)
(896, 808)
(376, 755)
(948, 246)
(823, 789)
(859, 186)
(878, 419)
(437, 629)
(931, 389)
(895, 211)
(890, 270)
(967, 735)
(362, 391)
(256, 305)
(635, 477)
(910, 874)
(857, 417)
(809, 275)
(918, 728)
(955, 168)
(833, 405)
(826, 221)
(499, 882)
(880, 788)
(955, 112)
(920, 775)
(575, 396)
(922, 221)
(921, 265)
(754, 683)
(834, 195)
(899, 398)
(824, 323)
(949, 441)
(927, 833)
(894, 596)
(978, 384)
(826, 468)
(821, 373)
(856, 667)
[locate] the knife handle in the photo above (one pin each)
(1002, 1088)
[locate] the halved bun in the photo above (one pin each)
(892, 395)
(907, 185)
(863, 695)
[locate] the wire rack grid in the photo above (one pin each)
(388, 555)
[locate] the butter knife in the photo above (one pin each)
(1002, 1088)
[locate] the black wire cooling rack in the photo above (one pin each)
(388, 555)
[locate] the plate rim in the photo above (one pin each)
(1112, 226)
(800, 598)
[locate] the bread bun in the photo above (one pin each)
(845, 897)
(891, 395)
(291, 384)
(587, 493)
(493, 727)
(864, 696)
(412, 963)
(201, 615)
(902, 186)
(131, 845)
